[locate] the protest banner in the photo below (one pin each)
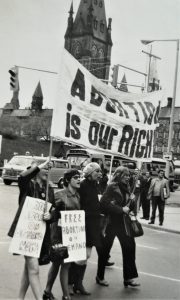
(93, 114)
(73, 234)
(30, 229)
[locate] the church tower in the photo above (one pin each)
(88, 37)
(37, 98)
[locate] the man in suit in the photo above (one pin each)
(158, 192)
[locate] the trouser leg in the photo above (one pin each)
(161, 206)
(154, 207)
(103, 252)
(129, 256)
(143, 205)
(147, 209)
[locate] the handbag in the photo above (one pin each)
(58, 254)
(133, 227)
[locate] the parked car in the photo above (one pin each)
(19, 163)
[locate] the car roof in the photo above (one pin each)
(43, 158)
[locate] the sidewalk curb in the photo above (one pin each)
(155, 227)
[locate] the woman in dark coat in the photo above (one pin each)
(90, 204)
(32, 182)
(115, 203)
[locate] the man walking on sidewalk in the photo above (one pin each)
(158, 192)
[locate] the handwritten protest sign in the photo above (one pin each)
(73, 234)
(93, 114)
(30, 229)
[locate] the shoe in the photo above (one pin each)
(147, 219)
(142, 218)
(78, 283)
(131, 283)
(71, 291)
(160, 224)
(48, 296)
(151, 222)
(109, 264)
(81, 289)
(66, 298)
(102, 282)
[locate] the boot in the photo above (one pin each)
(78, 283)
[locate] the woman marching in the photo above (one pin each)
(33, 183)
(91, 205)
(116, 202)
(66, 199)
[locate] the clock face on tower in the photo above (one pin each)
(77, 50)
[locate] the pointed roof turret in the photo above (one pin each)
(70, 21)
(38, 91)
(91, 11)
(123, 87)
(37, 98)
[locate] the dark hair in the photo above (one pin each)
(68, 175)
(160, 170)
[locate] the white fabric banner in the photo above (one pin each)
(73, 234)
(93, 114)
(30, 229)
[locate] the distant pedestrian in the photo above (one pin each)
(144, 189)
(135, 187)
(158, 193)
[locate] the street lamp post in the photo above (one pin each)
(174, 96)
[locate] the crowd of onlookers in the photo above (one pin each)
(104, 220)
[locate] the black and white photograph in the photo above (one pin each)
(90, 149)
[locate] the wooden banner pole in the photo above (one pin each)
(110, 170)
(48, 177)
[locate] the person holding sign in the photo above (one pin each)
(66, 199)
(115, 202)
(32, 183)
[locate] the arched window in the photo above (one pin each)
(100, 4)
(102, 26)
(95, 23)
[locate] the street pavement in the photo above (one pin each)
(158, 262)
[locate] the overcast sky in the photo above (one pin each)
(32, 35)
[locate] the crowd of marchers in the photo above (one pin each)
(104, 220)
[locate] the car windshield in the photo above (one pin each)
(21, 161)
(78, 161)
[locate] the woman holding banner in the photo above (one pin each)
(33, 183)
(66, 199)
(116, 202)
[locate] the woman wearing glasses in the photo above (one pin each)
(66, 199)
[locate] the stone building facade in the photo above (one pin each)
(88, 37)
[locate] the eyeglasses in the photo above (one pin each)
(76, 177)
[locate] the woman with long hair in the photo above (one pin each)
(116, 202)
(33, 182)
(65, 199)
